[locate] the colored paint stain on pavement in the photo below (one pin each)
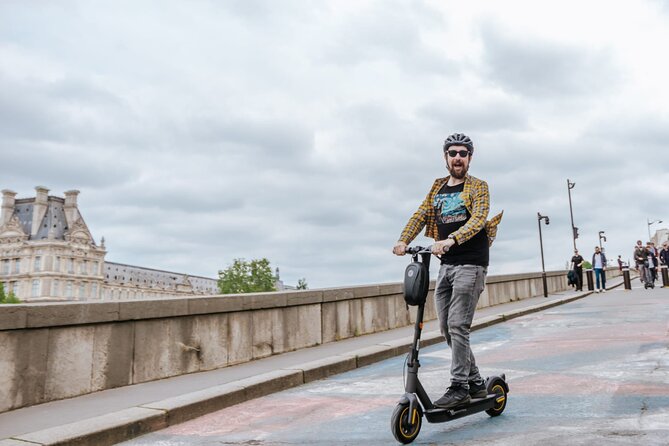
(595, 371)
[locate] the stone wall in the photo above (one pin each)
(50, 351)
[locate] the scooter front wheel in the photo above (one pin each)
(406, 426)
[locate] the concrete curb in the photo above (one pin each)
(103, 430)
(195, 404)
(123, 425)
(322, 368)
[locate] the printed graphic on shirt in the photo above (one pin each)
(450, 208)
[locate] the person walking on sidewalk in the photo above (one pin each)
(651, 261)
(454, 214)
(599, 265)
(640, 255)
(664, 254)
(577, 267)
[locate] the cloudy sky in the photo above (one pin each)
(307, 132)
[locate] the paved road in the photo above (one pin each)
(595, 371)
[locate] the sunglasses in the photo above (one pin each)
(462, 153)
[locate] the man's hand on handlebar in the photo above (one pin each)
(442, 247)
(400, 249)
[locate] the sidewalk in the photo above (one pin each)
(116, 415)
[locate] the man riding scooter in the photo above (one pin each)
(454, 214)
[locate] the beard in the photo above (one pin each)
(458, 169)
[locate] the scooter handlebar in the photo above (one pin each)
(418, 249)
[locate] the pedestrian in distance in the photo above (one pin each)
(664, 254)
(599, 266)
(651, 261)
(454, 214)
(577, 267)
(640, 259)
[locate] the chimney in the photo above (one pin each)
(39, 209)
(8, 199)
(42, 194)
(71, 210)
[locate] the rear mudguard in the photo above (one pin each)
(501, 377)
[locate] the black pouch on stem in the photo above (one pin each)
(416, 283)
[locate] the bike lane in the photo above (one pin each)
(595, 371)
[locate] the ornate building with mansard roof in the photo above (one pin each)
(47, 252)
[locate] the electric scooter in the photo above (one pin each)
(407, 417)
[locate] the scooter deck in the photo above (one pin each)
(437, 414)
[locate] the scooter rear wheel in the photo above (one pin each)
(405, 426)
(498, 387)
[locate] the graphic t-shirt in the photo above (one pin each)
(576, 260)
(451, 214)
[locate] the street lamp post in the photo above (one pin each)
(651, 223)
(574, 229)
(541, 244)
(601, 237)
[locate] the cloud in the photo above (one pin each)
(390, 33)
(638, 132)
(62, 166)
(530, 67)
(477, 114)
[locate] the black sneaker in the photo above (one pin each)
(477, 390)
(455, 395)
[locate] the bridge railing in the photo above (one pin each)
(51, 351)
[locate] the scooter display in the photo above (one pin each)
(407, 418)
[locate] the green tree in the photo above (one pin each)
(7, 298)
(246, 277)
(302, 284)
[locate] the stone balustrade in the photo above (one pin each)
(50, 351)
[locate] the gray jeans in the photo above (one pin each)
(456, 295)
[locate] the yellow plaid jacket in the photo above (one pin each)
(476, 198)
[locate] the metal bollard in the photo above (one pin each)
(591, 282)
(665, 276)
(626, 278)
